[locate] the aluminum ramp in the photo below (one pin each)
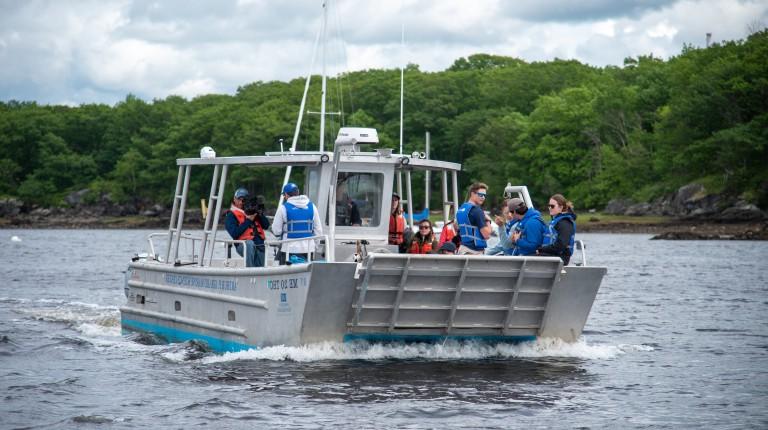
(438, 295)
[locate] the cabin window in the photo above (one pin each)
(358, 199)
(231, 315)
(313, 184)
(177, 305)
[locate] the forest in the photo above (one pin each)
(636, 131)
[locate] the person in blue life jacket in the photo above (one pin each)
(296, 218)
(528, 234)
(247, 224)
(506, 223)
(561, 234)
(474, 225)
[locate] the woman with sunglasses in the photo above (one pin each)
(424, 241)
(560, 238)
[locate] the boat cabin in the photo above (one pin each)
(357, 173)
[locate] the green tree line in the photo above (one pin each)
(594, 134)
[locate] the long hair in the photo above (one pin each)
(563, 203)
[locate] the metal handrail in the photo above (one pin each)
(579, 244)
(194, 239)
(323, 238)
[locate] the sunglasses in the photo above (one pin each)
(552, 206)
(481, 195)
(423, 227)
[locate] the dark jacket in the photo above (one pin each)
(563, 231)
(235, 229)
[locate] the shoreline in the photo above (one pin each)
(661, 228)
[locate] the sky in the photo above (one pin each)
(98, 51)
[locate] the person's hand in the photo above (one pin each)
(515, 236)
(499, 221)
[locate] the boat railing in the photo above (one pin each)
(278, 243)
(579, 246)
(190, 242)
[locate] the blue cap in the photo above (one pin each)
(290, 187)
(241, 193)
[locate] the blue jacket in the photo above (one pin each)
(532, 229)
(560, 237)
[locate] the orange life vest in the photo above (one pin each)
(248, 233)
(448, 233)
(420, 248)
(396, 229)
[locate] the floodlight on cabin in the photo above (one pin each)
(357, 136)
(207, 152)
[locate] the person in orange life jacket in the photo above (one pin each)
(294, 219)
(560, 238)
(423, 242)
(528, 233)
(474, 225)
(397, 230)
(250, 228)
(448, 234)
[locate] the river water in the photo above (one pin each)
(677, 338)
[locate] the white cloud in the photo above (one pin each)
(77, 51)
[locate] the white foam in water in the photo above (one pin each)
(448, 351)
(15, 239)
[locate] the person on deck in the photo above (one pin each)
(528, 234)
(474, 225)
(423, 242)
(247, 227)
(449, 234)
(295, 219)
(506, 223)
(397, 224)
(561, 234)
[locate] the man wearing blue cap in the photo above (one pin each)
(248, 227)
(295, 219)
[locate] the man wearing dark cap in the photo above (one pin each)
(448, 248)
(247, 227)
(528, 234)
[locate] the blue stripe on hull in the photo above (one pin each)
(176, 335)
(428, 338)
(221, 345)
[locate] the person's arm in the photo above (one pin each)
(317, 226)
(278, 221)
(482, 223)
(354, 215)
(564, 232)
(233, 228)
(263, 220)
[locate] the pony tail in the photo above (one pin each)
(569, 206)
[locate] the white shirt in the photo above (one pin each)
(279, 223)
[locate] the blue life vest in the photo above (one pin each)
(300, 221)
(550, 237)
(470, 234)
(510, 227)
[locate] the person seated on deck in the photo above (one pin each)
(448, 248)
(347, 211)
(397, 230)
(423, 242)
(248, 224)
(506, 223)
(474, 225)
(560, 237)
(296, 218)
(528, 234)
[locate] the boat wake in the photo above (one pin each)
(540, 348)
(87, 318)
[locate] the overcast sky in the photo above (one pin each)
(85, 51)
